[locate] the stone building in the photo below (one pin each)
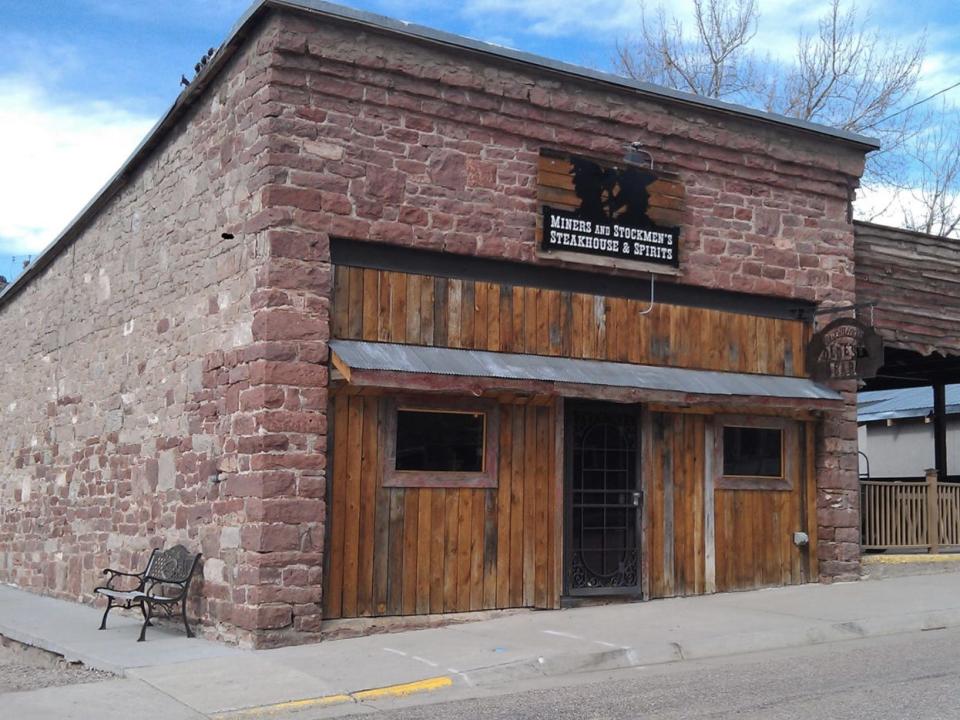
(195, 358)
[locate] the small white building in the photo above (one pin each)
(895, 432)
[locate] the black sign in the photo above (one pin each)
(611, 219)
(845, 349)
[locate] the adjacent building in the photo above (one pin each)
(896, 432)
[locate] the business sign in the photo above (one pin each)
(567, 231)
(845, 349)
(607, 213)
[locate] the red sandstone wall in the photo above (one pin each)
(383, 139)
(153, 356)
(115, 407)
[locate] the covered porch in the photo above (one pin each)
(908, 288)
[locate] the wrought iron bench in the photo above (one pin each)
(162, 584)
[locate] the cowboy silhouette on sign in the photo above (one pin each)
(612, 194)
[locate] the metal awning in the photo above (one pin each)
(431, 368)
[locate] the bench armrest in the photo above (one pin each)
(114, 574)
(164, 590)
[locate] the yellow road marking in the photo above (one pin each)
(405, 689)
(904, 559)
(401, 690)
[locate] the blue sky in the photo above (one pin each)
(81, 81)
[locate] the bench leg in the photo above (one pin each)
(103, 622)
(147, 609)
(143, 611)
(183, 607)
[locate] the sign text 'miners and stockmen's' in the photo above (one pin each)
(566, 231)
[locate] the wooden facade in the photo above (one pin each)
(913, 280)
(418, 550)
(405, 551)
(701, 538)
(398, 307)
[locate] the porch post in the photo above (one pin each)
(940, 430)
(933, 511)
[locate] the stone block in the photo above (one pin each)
(167, 470)
(230, 537)
(288, 510)
(263, 617)
(214, 571)
(270, 537)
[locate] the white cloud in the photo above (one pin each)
(939, 71)
(778, 18)
(887, 205)
(54, 157)
(186, 11)
(548, 18)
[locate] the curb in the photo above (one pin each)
(624, 658)
(884, 567)
(910, 559)
(380, 693)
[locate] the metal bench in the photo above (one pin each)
(163, 584)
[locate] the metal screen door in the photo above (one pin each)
(603, 499)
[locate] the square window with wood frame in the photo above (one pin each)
(752, 453)
(433, 442)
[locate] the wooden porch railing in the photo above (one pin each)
(897, 514)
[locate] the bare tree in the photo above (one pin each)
(850, 77)
(715, 62)
(934, 203)
(842, 74)
(846, 75)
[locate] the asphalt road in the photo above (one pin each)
(902, 677)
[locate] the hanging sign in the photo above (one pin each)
(609, 211)
(845, 349)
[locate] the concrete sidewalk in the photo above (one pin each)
(70, 629)
(205, 679)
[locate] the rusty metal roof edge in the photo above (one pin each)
(417, 359)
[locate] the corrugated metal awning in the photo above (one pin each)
(371, 363)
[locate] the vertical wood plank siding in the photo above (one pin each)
(674, 535)
(404, 308)
(405, 551)
(754, 529)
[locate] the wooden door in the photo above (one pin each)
(756, 518)
(419, 550)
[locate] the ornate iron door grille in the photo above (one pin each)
(603, 500)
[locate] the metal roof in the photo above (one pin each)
(247, 24)
(361, 355)
(903, 403)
